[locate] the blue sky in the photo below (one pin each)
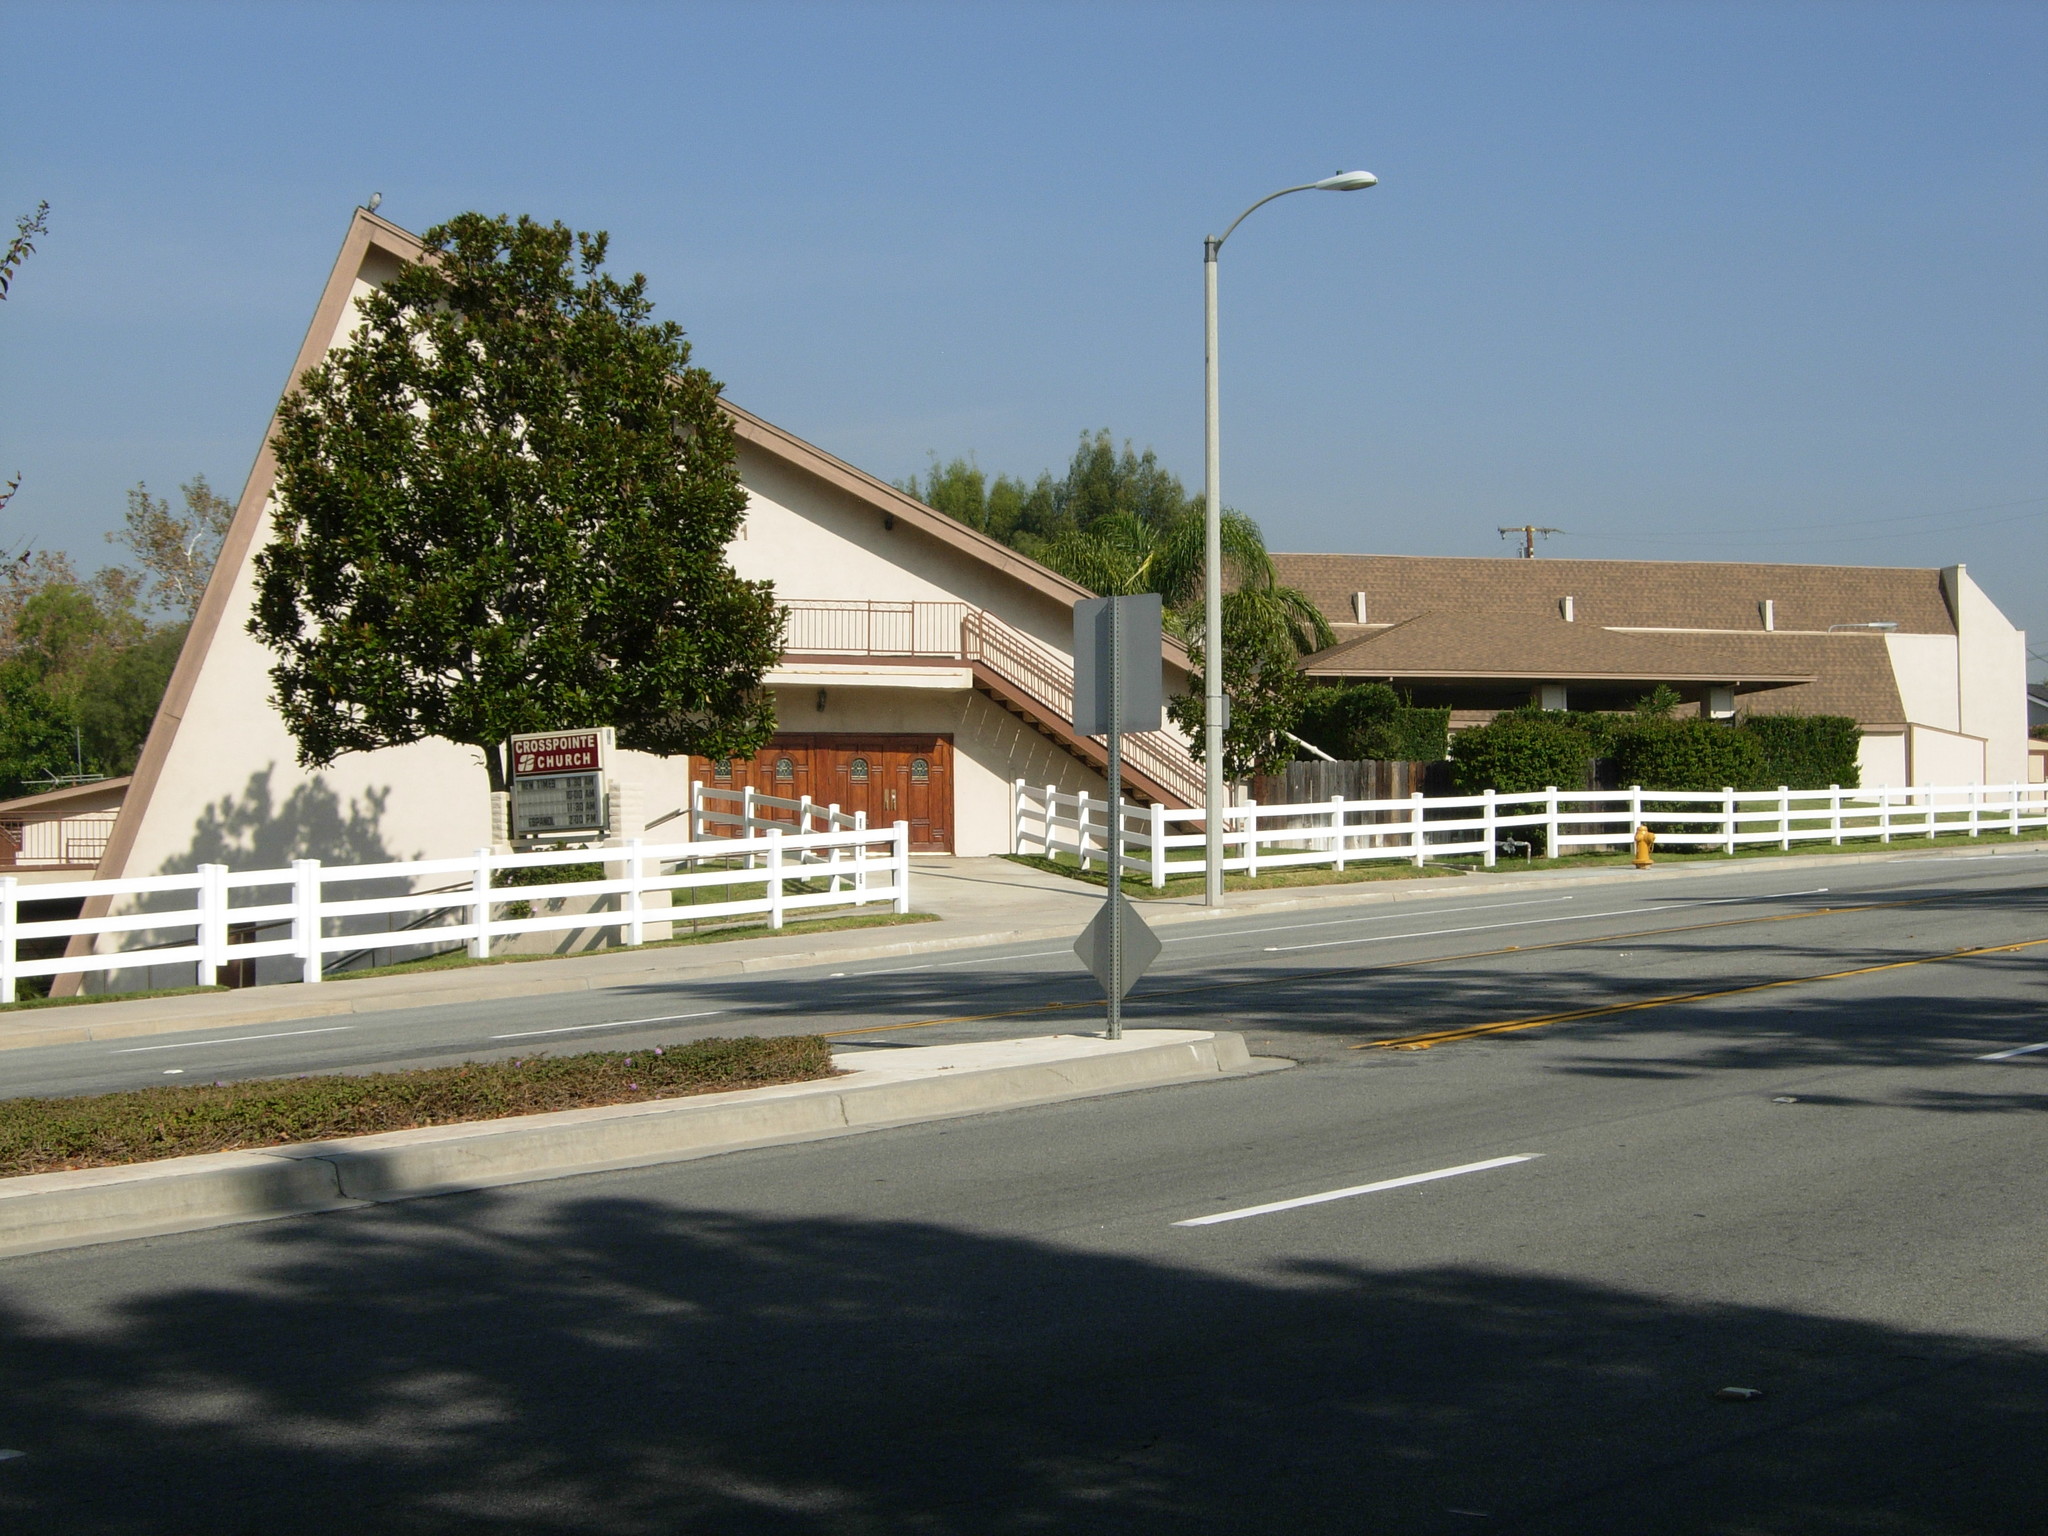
(1687, 281)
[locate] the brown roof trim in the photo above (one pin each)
(836, 472)
(59, 798)
(365, 231)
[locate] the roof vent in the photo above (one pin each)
(1566, 607)
(1358, 607)
(1769, 610)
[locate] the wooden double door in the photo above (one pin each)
(893, 778)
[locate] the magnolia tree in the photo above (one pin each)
(505, 507)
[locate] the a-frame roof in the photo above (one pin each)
(371, 251)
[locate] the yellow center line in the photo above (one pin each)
(1506, 1026)
(1384, 965)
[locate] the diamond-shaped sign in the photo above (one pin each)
(1141, 945)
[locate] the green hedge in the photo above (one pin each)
(1688, 754)
(1521, 751)
(1371, 722)
(1527, 749)
(1807, 751)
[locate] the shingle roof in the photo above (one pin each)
(1633, 621)
(1649, 593)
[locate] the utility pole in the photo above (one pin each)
(1528, 531)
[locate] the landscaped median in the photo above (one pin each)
(701, 1107)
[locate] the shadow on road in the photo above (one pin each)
(590, 1364)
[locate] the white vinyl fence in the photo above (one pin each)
(1338, 832)
(217, 916)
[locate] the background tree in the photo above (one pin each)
(19, 249)
(505, 508)
(176, 553)
(1120, 524)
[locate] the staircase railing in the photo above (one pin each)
(1048, 678)
(960, 632)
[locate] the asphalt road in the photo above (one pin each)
(1829, 1191)
(1300, 982)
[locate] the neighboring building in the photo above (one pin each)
(926, 671)
(60, 834)
(1921, 659)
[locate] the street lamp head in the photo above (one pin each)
(1348, 181)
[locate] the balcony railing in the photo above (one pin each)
(824, 627)
(69, 842)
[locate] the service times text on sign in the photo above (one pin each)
(558, 783)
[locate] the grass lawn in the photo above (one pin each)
(102, 1129)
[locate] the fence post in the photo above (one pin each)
(1784, 819)
(636, 925)
(8, 911)
(1490, 816)
(747, 820)
(1550, 828)
(1635, 812)
(1158, 835)
(860, 860)
(696, 810)
(1884, 813)
(1976, 807)
(1728, 818)
(1251, 839)
(1337, 829)
(775, 877)
(1081, 834)
(1048, 806)
(306, 919)
(832, 823)
(1415, 844)
(1931, 809)
(2012, 800)
(212, 925)
(899, 854)
(1835, 802)
(480, 906)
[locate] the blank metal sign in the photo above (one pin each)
(1144, 690)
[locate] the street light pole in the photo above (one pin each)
(1214, 702)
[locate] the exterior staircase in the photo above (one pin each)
(1027, 678)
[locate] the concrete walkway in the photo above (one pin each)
(978, 902)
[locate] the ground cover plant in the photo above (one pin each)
(102, 1129)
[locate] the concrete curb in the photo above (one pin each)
(39, 1212)
(620, 969)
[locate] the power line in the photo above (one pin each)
(1529, 531)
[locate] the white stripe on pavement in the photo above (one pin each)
(1359, 1189)
(2024, 1050)
(186, 1045)
(570, 1029)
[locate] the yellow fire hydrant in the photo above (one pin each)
(1645, 841)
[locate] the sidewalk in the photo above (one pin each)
(979, 901)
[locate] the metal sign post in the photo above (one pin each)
(1118, 686)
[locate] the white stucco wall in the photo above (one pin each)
(1925, 669)
(1881, 761)
(1992, 668)
(1945, 757)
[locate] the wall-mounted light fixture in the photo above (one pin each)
(821, 701)
(888, 522)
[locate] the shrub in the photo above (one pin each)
(1522, 751)
(1370, 722)
(1689, 755)
(1806, 751)
(41, 1135)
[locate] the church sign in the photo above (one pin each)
(558, 782)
